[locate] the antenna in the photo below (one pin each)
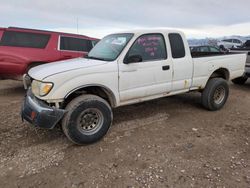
(77, 25)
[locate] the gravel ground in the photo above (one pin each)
(170, 142)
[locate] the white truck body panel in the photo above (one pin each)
(247, 67)
(88, 73)
(136, 82)
(204, 67)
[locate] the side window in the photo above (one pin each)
(213, 49)
(24, 39)
(237, 41)
(204, 49)
(150, 47)
(177, 45)
(75, 44)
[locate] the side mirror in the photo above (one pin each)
(133, 59)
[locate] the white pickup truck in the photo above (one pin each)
(122, 69)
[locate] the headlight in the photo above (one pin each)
(41, 88)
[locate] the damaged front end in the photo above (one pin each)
(38, 113)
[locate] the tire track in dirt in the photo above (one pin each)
(139, 122)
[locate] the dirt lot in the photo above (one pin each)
(171, 142)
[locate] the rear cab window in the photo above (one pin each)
(24, 39)
(75, 44)
(151, 47)
(177, 45)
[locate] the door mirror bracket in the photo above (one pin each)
(133, 59)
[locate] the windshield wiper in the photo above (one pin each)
(97, 58)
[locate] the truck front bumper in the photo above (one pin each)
(39, 113)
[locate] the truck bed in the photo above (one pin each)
(206, 63)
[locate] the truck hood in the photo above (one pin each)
(43, 71)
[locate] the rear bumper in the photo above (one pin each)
(39, 113)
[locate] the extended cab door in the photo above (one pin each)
(182, 62)
(150, 76)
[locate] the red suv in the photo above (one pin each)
(21, 49)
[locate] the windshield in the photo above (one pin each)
(110, 47)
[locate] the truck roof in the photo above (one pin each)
(155, 30)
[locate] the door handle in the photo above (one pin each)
(165, 67)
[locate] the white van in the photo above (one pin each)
(230, 43)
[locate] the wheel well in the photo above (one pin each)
(95, 90)
(220, 73)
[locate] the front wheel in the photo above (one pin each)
(87, 120)
(215, 94)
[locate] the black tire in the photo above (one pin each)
(215, 94)
(240, 81)
(83, 112)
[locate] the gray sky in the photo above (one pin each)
(197, 18)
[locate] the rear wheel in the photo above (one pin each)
(215, 94)
(87, 120)
(240, 81)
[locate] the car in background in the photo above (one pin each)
(22, 49)
(205, 49)
(230, 43)
(246, 45)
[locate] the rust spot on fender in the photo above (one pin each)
(185, 84)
